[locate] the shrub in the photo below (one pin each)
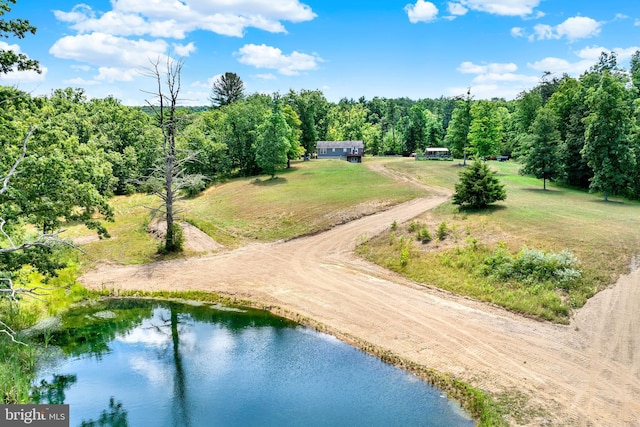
(394, 225)
(413, 227)
(532, 266)
(423, 235)
(442, 231)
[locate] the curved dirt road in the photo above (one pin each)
(587, 373)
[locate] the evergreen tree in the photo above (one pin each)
(478, 187)
(227, 89)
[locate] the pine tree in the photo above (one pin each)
(478, 187)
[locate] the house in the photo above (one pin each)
(437, 153)
(351, 151)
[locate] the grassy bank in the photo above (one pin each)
(603, 237)
(309, 197)
(19, 359)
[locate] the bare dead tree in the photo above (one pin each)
(172, 170)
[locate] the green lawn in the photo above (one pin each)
(309, 197)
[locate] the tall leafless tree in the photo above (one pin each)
(169, 178)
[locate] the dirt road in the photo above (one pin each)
(587, 373)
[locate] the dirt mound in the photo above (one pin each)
(194, 239)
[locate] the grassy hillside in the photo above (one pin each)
(309, 197)
(603, 235)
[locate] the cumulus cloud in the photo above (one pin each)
(175, 19)
(585, 59)
(577, 27)
(208, 84)
(502, 7)
(263, 56)
(517, 32)
(109, 51)
(495, 80)
(184, 50)
(456, 9)
(422, 11)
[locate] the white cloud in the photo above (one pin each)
(81, 67)
(502, 7)
(586, 58)
(561, 66)
(112, 74)
(78, 81)
(263, 56)
(109, 51)
(456, 9)
(471, 68)
(208, 83)
(267, 76)
(577, 27)
(422, 11)
(506, 77)
(592, 53)
(184, 50)
(517, 32)
(29, 76)
(174, 19)
(15, 76)
(495, 80)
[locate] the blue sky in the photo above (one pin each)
(387, 48)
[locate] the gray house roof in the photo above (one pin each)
(340, 144)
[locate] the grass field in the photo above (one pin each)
(309, 197)
(603, 235)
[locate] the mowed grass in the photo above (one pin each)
(603, 235)
(308, 198)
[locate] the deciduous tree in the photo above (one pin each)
(541, 148)
(607, 146)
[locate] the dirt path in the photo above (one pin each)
(585, 374)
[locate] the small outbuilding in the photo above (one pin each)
(437, 153)
(351, 151)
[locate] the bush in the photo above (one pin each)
(532, 266)
(442, 231)
(424, 236)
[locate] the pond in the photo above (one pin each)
(136, 362)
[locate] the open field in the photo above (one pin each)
(308, 198)
(602, 235)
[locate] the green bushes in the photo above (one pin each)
(532, 267)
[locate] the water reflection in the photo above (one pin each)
(170, 364)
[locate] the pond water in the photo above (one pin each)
(128, 362)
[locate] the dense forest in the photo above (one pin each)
(582, 132)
